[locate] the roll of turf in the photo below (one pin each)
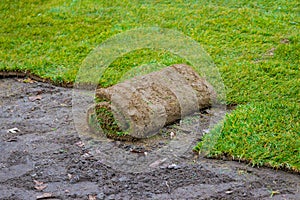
(141, 106)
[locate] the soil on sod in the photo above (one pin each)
(47, 157)
(144, 104)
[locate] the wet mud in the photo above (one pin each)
(42, 156)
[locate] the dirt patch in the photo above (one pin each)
(47, 157)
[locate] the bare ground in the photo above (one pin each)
(46, 159)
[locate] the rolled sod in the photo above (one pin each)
(141, 106)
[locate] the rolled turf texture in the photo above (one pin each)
(143, 105)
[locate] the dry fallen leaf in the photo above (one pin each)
(86, 155)
(229, 192)
(39, 185)
(44, 196)
(158, 162)
(173, 166)
(270, 52)
(172, 135)
(70, 176)
(28, 80)
(284, 41)
(92, 197)
(80, 144)
(13, 130)
(205, 131)
(34, 98)
(274, 192)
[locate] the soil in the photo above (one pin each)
(46, 158)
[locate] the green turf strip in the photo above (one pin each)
(255, 45)
(265, 133)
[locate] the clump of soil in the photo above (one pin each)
(45, 158)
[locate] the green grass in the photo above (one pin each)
(138, 62)
(265, 133)
(255, 46)
(107, 122)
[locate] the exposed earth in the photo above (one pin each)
(43, 157)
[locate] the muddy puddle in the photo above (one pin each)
(44, 156)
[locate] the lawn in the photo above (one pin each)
(255, 45)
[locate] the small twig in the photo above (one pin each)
(12, 139)
(169, 189)
(137, 151)
(181, 129)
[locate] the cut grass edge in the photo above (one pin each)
(256, 133)
(28, 74)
